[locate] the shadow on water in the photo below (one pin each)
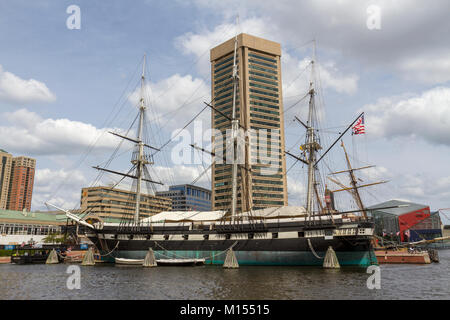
(107, 281)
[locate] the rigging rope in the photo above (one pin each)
(104, 255)
(312, 250)
(176, 135)
(301, 99)
(91, 146)
(206, 258)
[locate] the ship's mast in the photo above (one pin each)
(234, 134)
(353, 190)
(140, 161)
(310, 146)
(354, 183)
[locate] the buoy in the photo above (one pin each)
(230, 260)
(88, 259)
(52, 258)
(150, 260)
(331, 261)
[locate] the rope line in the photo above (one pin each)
(104, 255)
(206, 258)
(312, 250)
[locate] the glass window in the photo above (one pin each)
(262, 98)
(265, 93)
(263, 87)
(262, 63)
(261, 57)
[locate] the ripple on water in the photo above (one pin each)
(213, 282)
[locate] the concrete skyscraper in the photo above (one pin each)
(259, 107)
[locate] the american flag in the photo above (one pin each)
(358, 128)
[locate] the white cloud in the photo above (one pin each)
(17, 90)
(422, 188)
(177, 174)
(428, 69)
(175, 100)
(425, 116)
(331, 77)
(201, 42)
(409, 41)
(296, 192)
(59, 187)
(418, 187)
(181, 174)
(297, 73)
(31, 134)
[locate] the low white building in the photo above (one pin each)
(18, 227)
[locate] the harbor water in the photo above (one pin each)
(107, 281)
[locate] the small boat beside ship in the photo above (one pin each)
(412, 253)
(36, 258)
(161, 262)
(402, 256)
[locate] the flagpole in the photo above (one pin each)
(339, 138)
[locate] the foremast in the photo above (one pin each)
(140, 161)
(139, 158)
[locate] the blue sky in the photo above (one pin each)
(399, 75)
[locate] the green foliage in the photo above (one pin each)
(54, 238)
(6, 253)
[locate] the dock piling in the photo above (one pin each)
(331, 261)
(434, 256)
(88, 259)
(230, 260)
(150, 260)
(52, 258)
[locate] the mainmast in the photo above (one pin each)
(234, 134)
(140, 161)
(310, 140)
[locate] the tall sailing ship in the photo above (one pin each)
(287, 235)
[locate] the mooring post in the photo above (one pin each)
(52, 257)
(230, 260)
(331, 261)
(150, 260)
(88, 259)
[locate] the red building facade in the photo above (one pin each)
(408, 220)
(400, 220)
(21, 183)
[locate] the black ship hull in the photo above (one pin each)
(280, 244)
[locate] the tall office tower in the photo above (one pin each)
(261, 181)
(21, 183)
(5, 174)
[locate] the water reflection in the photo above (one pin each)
(213, 282)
